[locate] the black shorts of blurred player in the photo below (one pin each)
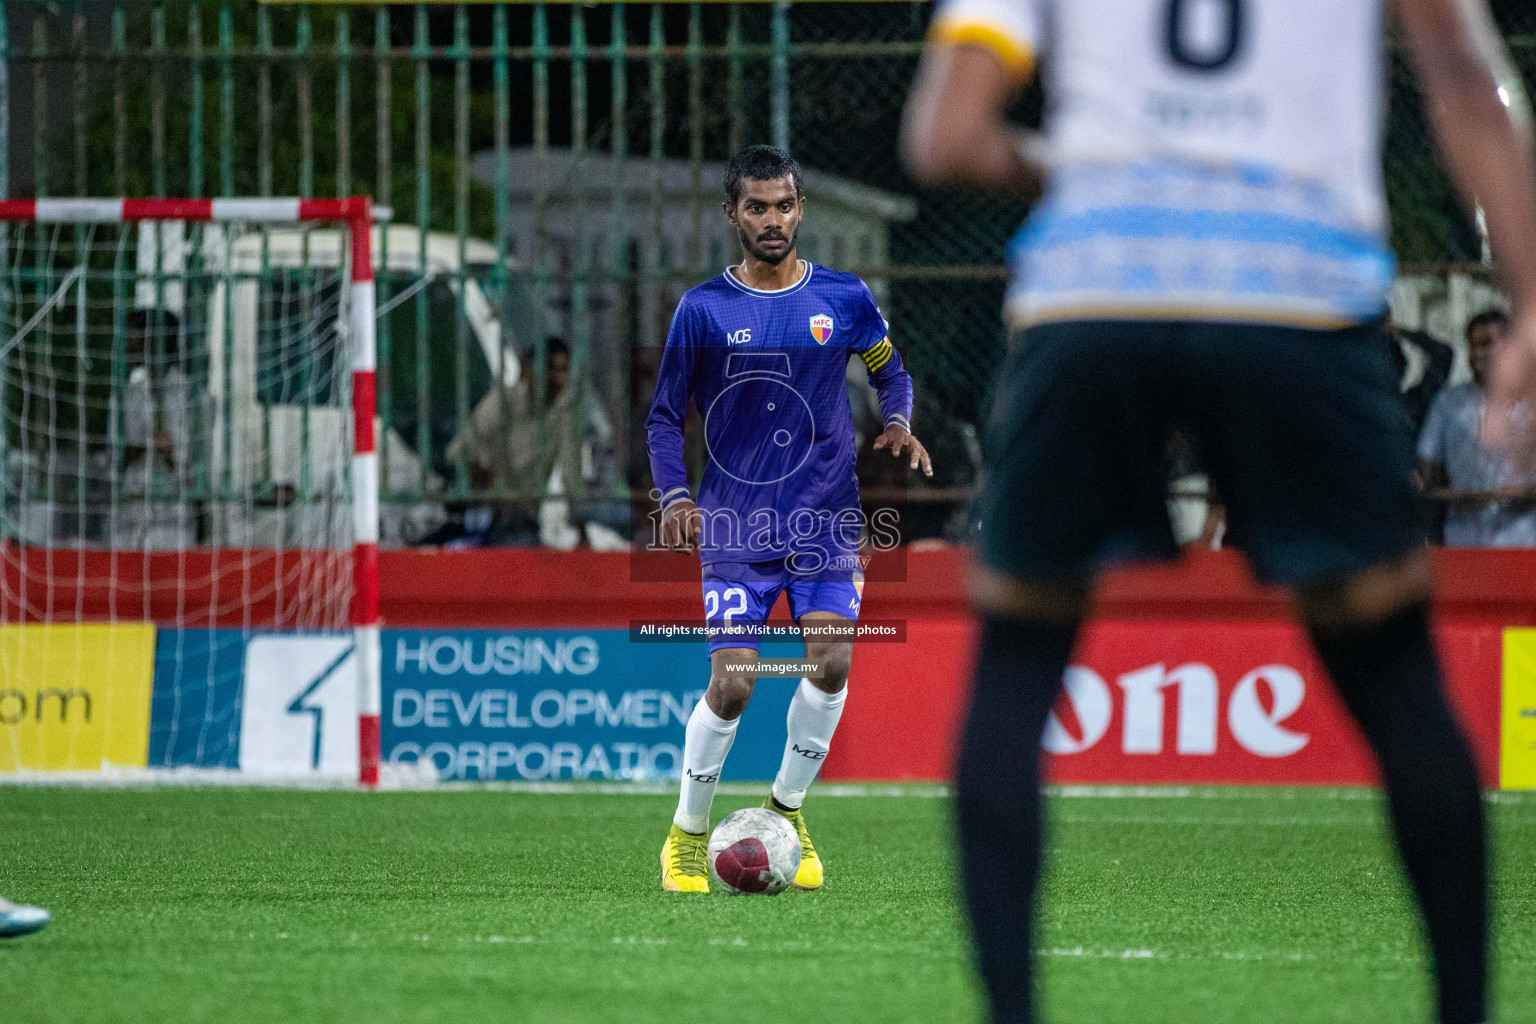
(1303, 432)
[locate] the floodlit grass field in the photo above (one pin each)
(251, 905)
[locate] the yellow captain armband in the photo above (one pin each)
(1017, 56)
(878, 355)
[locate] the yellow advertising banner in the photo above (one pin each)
(1517, 726)
(75, 697)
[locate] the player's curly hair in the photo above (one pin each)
(760, 163)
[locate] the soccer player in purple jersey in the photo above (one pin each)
(762, 351)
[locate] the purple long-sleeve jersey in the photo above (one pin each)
(767, 372)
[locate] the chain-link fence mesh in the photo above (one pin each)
(567, 160)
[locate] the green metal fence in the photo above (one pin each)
(562, 162)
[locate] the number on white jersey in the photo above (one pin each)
(1183, 25)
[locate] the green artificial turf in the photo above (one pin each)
(256, 905)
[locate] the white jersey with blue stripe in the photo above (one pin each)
(1209, 159)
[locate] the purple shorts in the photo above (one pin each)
(745, 605)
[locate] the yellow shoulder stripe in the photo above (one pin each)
(1016, 56)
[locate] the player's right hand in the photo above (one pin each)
(681, 525)
(1509, 415)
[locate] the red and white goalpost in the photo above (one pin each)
(174, 382)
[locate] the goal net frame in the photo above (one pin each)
(355, 215)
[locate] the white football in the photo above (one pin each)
(753, 852)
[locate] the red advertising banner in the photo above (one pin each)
(1153, 703)
(1190, 674)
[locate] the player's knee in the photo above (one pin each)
(1369, 596)
(836, 660)
(729, 696)
(730, 691)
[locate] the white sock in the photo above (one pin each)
(813, 716)
(708, 740)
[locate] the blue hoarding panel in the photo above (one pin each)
(489, 704)
(194, 718)
(560, 704)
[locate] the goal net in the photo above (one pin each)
(188, 490)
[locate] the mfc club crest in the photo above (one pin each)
(821, 328)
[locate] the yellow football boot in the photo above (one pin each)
(811, 874)
(685, 861)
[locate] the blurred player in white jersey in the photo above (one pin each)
(16, 920)
(1211, 254)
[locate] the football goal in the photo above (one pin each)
(188, 486)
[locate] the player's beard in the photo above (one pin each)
(749, 244)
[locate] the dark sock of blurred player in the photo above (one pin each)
(1211, 252)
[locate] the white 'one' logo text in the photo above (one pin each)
(1255, 723)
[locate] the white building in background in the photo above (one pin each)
(847, 227)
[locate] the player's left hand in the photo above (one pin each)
(899, 440)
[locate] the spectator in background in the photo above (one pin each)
(1195, 512)
(151, 458)
(559, 455)
(1423, 365)
(1498, 510)
(156, 405)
